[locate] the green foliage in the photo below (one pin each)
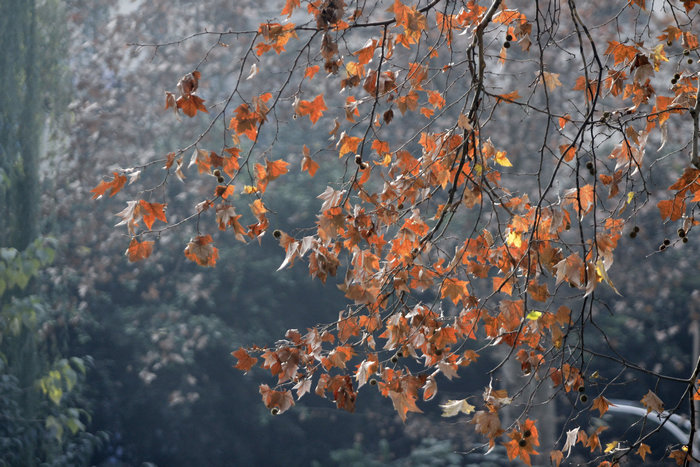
(43, 419)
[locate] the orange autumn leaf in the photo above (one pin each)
(364, 55)
(138, 251)
(510, 97)
(276, 168)
(382, 147)
(151, 211)
(310, 165)
(311, 71)
(601, 404)
(245, 360)
(568, 151)
(621, 53)
(348, 144)
(314, 109)
(246, 122)
(114, 186)
(403, 403)
(672, 209)
(289, 7)
(258, 208)
(190, 104)
(202, 251)
(224, 191)
(277, 401)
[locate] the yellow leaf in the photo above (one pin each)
(514, 239)
(610, 446)
(630, 197)
(658, 56)
(534, 315)
(603, 275)
(502, 160)
(386, 161)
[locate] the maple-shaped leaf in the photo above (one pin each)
(246, 121)
(226, 216)
(289, 7)
(672, 209)
(601, 404)
(151, 211)
(487, 424)
(679, 456)
(258, 208)
(277, 401)
(190, 104)
(551, 80)
(621, 53)
(117, 183)
(582, 199)
(314, 109)
(276, 35)
(311, 71)
(365, 54)
(310, 165)
(202, 251)
(454, 407)
(404, 403)
(302, 387)
(245, 360)
(652, 402)
(348, 144)
(514, 449)
(454, 289)
(139, 250)
(570, 269)
(643, 450)
(412, 20)
(276, 168)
